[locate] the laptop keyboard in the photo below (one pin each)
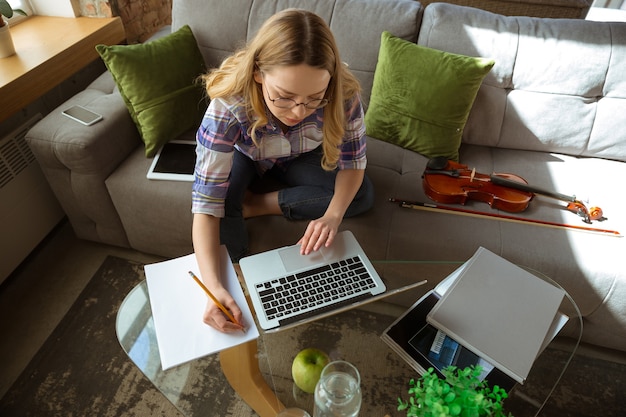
(312, 290)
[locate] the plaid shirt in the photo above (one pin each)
(225, 127)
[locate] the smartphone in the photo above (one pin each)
(82, 115)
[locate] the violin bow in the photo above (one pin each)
(466, 212)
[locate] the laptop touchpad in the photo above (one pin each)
(293, 261)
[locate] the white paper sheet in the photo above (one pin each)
(178, 303)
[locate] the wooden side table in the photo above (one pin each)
(240, 366)
(49, 50)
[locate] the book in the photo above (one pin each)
(424, 346)
(178, 303)
(500, 311)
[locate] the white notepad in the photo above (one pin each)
(499, 311)
(178, 304)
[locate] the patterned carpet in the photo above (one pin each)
(81, 370)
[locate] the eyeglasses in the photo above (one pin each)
(287, 103)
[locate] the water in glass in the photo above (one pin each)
(338, 392)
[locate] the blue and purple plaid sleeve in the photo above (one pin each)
(354, 147)
(215, 138)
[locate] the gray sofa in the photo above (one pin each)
(552, 110)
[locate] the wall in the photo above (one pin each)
(141, 18)
(63, 8)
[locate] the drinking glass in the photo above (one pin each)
(338, 392)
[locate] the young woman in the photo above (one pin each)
(285, 106)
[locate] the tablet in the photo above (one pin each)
(175, 161)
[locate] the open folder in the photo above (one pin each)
(500, 311)
(178, 304)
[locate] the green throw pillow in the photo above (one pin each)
(421, 97)
(157, 80)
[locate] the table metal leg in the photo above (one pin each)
(241, 368)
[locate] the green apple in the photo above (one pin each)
(307, 367)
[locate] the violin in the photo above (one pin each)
(450, 182)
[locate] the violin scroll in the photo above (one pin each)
(588, 214)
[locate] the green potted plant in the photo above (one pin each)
(6, 42)
(7, 11)
(460, 393)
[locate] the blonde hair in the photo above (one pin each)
(290, 37)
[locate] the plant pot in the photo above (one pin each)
(6, 42)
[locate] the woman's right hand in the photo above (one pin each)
(215, 318)
(206, 244)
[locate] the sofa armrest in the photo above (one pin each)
(77, 159)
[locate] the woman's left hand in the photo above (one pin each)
(322, 231)
(319, 232)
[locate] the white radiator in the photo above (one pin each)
(28, 208)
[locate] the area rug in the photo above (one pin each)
(81, 369)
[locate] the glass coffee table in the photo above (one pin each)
(259, 372)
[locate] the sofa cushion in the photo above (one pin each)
(163, 228)
(421, 97)
(220, 34)
(158, 83)
(540, 95)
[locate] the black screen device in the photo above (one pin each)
(82, 115)
(175, 161)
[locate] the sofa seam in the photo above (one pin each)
(603, 302)
(332, 14)
(249, 20)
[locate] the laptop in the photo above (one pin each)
(288, 289)
(175, 161)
